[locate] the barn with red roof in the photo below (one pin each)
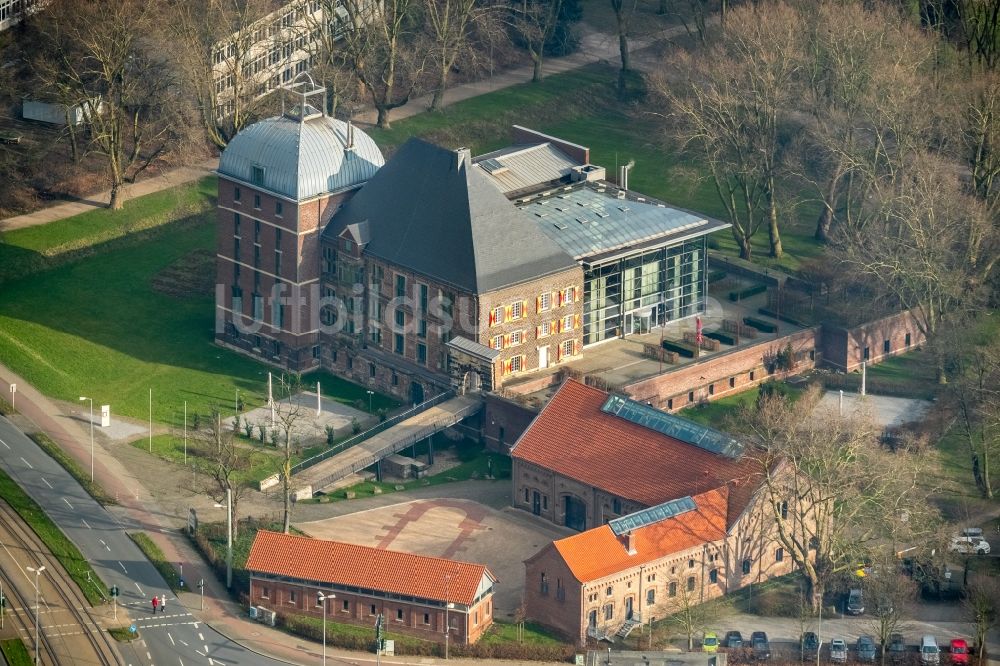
(669, 513)
(415, 594)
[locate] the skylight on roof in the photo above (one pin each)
(673, 426)
(653, 514)
(493, 166)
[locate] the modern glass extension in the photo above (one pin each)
(635, 293)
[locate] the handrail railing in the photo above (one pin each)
(371, 432)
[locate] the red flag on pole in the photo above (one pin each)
(698, 337)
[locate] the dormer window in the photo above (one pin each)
(257, 175)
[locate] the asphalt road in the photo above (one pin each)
(172, 637)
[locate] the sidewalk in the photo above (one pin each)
(594, 47)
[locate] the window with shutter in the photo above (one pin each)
(576, 322)
(538, 304)
(508, 313)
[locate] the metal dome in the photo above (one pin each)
(301, 155)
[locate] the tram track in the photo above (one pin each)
(59, 597)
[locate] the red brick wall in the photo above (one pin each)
(528, 293)
(359, 611)
(504, 421)
(557, 611)
(844, 349)
(723, 374)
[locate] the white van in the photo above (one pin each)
(930, 653)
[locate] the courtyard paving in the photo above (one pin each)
(887, 412)
(452, 528)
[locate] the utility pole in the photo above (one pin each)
(185, 433)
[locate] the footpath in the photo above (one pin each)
(595, 47)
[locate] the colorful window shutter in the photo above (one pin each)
(538, 304)
(562, 297)
(524, 309)
(506, 366)
(538, 331)
(576, 322)
(559, 352)
(493, 317)
(507, 312)
(506, 340)
(556, 325)
(576, 347)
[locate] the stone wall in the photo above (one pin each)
(845, 349)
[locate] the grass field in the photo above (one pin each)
(96, 327)
(159, 560)
(15, 653)
(74, 468)
(62, 548)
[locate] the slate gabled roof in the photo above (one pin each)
(597, 552)
(574, 438)
(365, 567)
(430, 210)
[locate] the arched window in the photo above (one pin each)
(672, 589)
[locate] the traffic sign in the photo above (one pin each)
(182, 582)
(114, 590)
(132, 628)
(201, 584)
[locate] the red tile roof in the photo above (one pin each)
(365, 567)
(574, 438)
(597, 553)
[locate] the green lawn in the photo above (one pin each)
(59, 545)
(35, 248)
(15, 653)
(720, 413)
(96, 327)
(505, 632)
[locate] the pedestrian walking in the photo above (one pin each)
(155, 603)
(163, 604)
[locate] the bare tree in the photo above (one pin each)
(331, 63)
(922, 244)
(228, 464)
(726, 107)
(379, 43)
(101, 57)
(690, 616)
(624, 10)
(222, 52)
(979, 22)
(888, 593)
(835, 494)
(976, 393)
(452, 25)
(982, 607)
(534, 23)
(981, 136)
(288, 413)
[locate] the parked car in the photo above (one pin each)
(959, 651)
(760, 645)
(810, 645)
(897, 648)
(866, 648)
(734, 640)
(967, 545)
(710, 643)
(930, 653)
(838, 651)
(855, 602)
(883, 606)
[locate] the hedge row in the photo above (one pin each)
(716, 276)
(782, 317)
(748, 292)
(679, 347)
(724, 338)
(760, 325)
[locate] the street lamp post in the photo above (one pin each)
(370, 394)
(447, 606)
(229, 536)
(82, 398)
(38, 572)
(320, 597)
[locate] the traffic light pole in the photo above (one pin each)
(201, 587)
(3, 605)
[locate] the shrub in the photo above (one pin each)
(760, 325)
(748, 292)
(716, 276)
(355, 426)
(248, 429)
(236, 425)
(261, 431)
(331, 434)
(680, 348)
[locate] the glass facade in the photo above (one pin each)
(635, 293)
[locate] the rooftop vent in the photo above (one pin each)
(587, 173)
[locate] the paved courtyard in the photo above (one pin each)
(886, 411)
(311, 422)
(458, 529)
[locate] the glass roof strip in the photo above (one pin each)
(673, 426)
(651, 515)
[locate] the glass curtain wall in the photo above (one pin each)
(633, 294)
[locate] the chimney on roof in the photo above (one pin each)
(350, 135)
(462, 155)
(629, 542)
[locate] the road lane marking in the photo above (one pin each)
(5, 444)
(123, 567)
(171, 639)
(201, 637)
(180, 660)
(27, 463)
(138, 588)
(46, 481)
(184, 643)
(106, 546)
(71, 508)
(85, 523)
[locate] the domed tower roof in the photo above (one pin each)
(302, 153)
